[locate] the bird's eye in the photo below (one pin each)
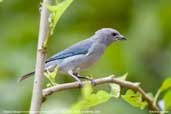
(114, 34)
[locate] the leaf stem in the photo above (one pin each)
(156, 97)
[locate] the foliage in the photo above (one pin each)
(56, 12)
(135, 99)
(115, 88)
(51, 76)
(166, 86)
(89, 99)
(167, 100)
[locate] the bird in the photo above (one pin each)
(81, 55)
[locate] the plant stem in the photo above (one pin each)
(40, 59)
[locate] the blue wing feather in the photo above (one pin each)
(77, 49)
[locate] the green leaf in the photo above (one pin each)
(87, 90)
(1, 0)
(166, 84)
(115, 88)
(51, 76)
(167, 100)
(90, 101)
(56, 12)
(134, 99)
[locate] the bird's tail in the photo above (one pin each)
(26, 76)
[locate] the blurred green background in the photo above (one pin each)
(146, 55)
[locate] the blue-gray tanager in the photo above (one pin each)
(81, 55)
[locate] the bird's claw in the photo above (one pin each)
(80, 84)
(93, 82)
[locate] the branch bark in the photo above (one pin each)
(105, 80)
(41, 56)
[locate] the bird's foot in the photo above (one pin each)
(88, 78)
(80, 84)
(93, 82)
(72, 74)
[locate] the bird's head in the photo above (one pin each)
(108, 35)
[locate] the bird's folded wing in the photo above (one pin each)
(77, 49)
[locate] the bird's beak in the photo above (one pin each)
(121, 37)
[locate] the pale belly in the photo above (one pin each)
(89, 60)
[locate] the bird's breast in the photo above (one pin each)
(93, 55)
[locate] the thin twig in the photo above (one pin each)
(41, 56)
(109, 79)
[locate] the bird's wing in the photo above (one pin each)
(76, 49)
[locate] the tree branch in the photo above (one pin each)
(41, 56)
(109, 79)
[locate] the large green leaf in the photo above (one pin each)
(87, 90)
(56, 12)
(134, 99)
(166, 84)
(167, 100)
(115, 88)
(89, 99)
